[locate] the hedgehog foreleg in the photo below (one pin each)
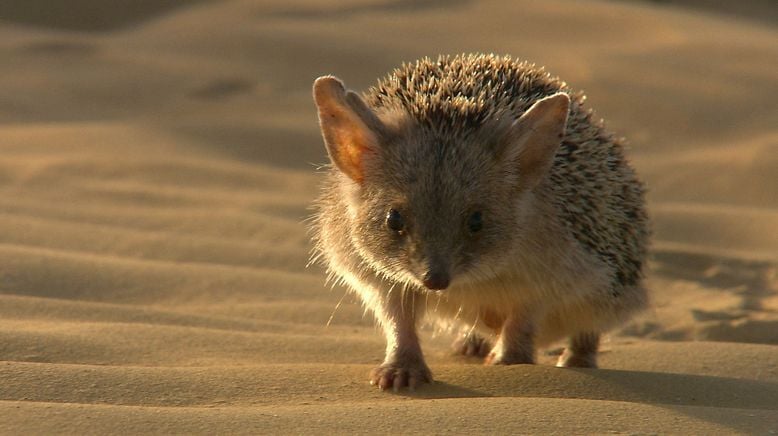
(404, 364)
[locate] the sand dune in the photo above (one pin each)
(157, 162)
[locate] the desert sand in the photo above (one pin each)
(157, 162)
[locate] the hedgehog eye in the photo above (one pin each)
(475, 222)
(395, 221)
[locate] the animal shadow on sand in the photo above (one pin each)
(752, 281)
(698, 396)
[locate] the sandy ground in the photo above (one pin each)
(157, 161)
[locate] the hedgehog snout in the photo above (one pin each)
(436, 276)
(436, 280)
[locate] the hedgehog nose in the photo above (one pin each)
(436, 280)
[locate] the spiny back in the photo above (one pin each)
(459, 93)
(593, 188)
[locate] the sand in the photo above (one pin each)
(157, 161)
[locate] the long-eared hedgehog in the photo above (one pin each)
(477, 192)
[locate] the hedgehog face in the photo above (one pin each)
(433, 211)
(431, 206)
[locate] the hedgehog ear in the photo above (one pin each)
(349, 127)
(534, 138)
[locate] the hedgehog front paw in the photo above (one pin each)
(400, 374)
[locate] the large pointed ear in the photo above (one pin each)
(351, 130)
(534, 138)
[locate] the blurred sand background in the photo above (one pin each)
(157, 159)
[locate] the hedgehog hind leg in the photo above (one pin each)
(581, 351)
(472, 344)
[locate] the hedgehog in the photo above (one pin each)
(478, 193)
